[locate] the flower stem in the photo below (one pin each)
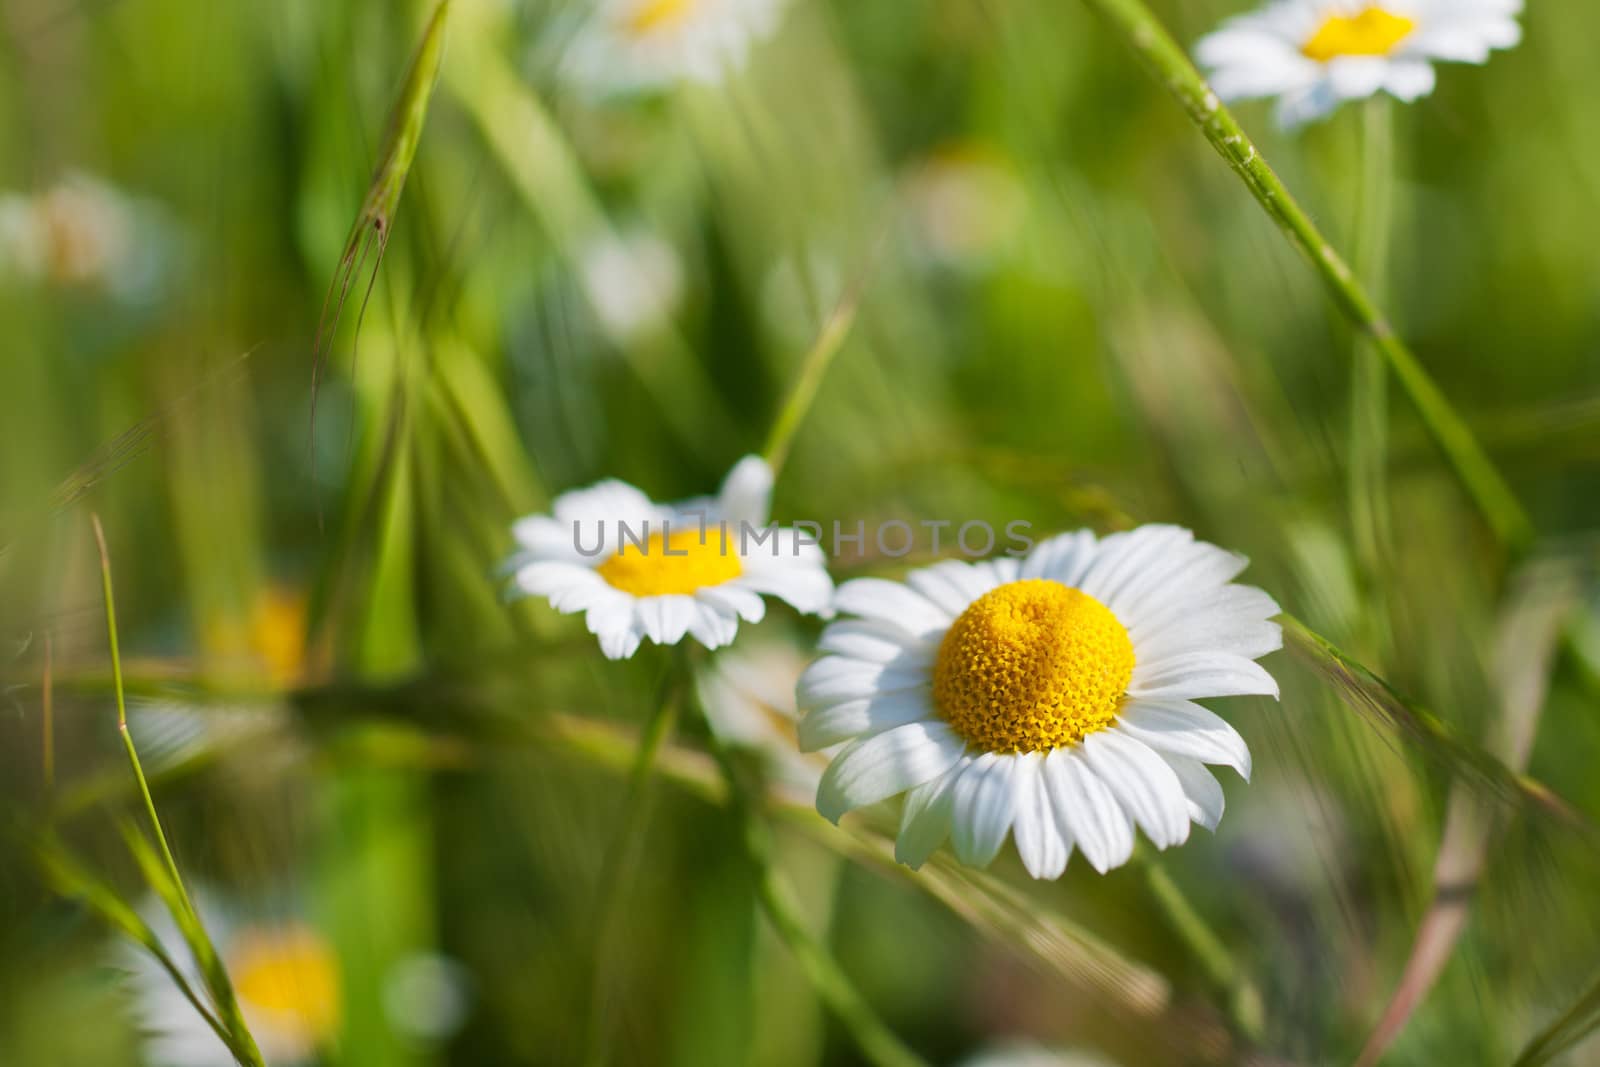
(1133, 20)
(1242, 998)
(872, 1036)
(621, 860)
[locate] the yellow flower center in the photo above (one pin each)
(1032, 666)
(290, 976)
(648, 16)
(1374, 32)
(687, 561)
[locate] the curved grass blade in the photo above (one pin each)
(375, 222)
(1528, 635)
(1573, 1026)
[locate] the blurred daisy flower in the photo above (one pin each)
(284, 973)
(83, 232)
(640, 569)
(968, 204)
(747, 694)
(633, 45)
(634, 282)
(1312, 55)
(1050, 697)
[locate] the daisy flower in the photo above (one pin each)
(284, 972)
(639, 569)
(631, 45)
(1312, 55)
(1049, 697)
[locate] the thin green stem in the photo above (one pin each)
(1369, 384)
(813, 368)
(122, 715)
(1168, 61)
(620, 862)
(1572, 1026)
(1241, 998)
(175, 893)
(879, 1044)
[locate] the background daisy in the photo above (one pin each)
(699, 571)
(1050, 697)
(1312, 55)
(644, 44)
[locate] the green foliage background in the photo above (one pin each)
(1126, 338)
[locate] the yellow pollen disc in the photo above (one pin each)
(1374, 32)
(681, 564)
(289, 975)
(651, 15)
(1032, 666)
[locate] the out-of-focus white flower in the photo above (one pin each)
(967, 204)
(634, 282)
(1313, 55)
(1028, 1054)
(427, 996)
(1051, 698)
(666, 571)
(631, 45)
(748, 697)
(284, 972)
(84, 232)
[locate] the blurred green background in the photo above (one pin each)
(1071, 313)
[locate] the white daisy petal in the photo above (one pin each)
(713, 627)
(874, 642)
(746, 494)
(1200, 789)
(1043, 849)
(666, 618)
(985, 804)
(925, 822)
(1201, 674)
(874, 768)
(1087, 810)
(1182, 728)
(891, 602)
(834, 679)
(953, 584)
(1143, 783)
(731, 597)
(824, 726)
(1062, 558)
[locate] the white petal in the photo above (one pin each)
(1062, 558)
(713, 627)
(746, 494)
(1355, 77)
(1043, 850)
(1227, 602)
(875, 642)
(731, 597)
(986, 802)
(549, 577)
(666, 618)
(1200, 675)
(1132, 557)
(835, 679)
(805, 588)
(953, 584)
(877, 767)
(619, 634)
(1087, 810)
(829, 725)
(1181, 728)
(925, 823)
(1146, 787)
(1200, 789)
(1240, 635)
(875, 598)
(1409, 79)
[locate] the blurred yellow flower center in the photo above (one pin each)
(687, 561)
(1374, 32)
(1032, 666)
(290, 976)
(650, 15)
